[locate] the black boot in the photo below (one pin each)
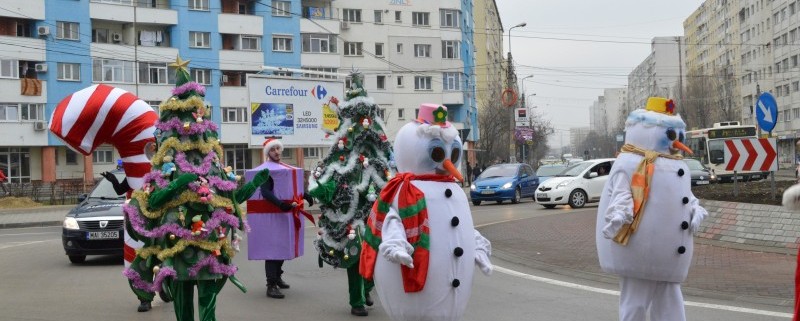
(281, 284)
(144, 306)
(359, 311)
(368, 300)
(274, 292)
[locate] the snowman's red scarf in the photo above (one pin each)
(414, 213)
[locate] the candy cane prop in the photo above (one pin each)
(103, 114)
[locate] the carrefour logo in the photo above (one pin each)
(290, 91)
(319, 92)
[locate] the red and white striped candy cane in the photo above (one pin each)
(103, 114)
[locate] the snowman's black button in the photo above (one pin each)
(458, 251)
(681, 249)
(680, 172)
(448, 193)
(454, 221)
(456, 283)
(685, 225)
(685, 200)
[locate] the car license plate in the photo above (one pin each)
(542, 195)
(103, 235)
(488, 191)
(739, 177)
(702, 182)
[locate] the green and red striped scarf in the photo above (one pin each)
(414, 214)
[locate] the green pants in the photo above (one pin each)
(138, 265)
(357, 286)
(207, 290)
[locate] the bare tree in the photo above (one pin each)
(494, 121)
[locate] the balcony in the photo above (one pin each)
(241, 24)
(124, 11)
(452, 97)
(24, 9)
(22, 48)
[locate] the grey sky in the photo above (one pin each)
(576, 48)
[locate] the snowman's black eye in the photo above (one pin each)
(671, 134)
(680, 137)
(455, 154)
(437, 154)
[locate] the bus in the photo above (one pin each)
(708, 145)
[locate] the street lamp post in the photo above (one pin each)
(511, 145)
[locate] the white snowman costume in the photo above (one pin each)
(655, 257)
(426, 148)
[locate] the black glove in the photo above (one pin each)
(285, 207)
(309, 199)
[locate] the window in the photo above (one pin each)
(32, 112)
(67, 30)
(103, 156)
(253, 43)
(420, 19)
(401, 114)
(399, 81)
(416, 112)
(155, 105)
(237, 156)
(381, 82)
(202, 76)
(452, 81)
(348, 82)
(287, 153)
(398, 16)
(449, 18)
(16, 163)
(69, 72)
(155, 73)
(450, 49)
(381, 112)
(378, 17)
(71, 157)
(379, 49)
(199, 39)
(110, 70)
(282, 43)
(323, 69)
(101, 35)
(234, 115)
(319, 43)
(351, 15)
(352, 49)
(399, 48)
(281, 8)
(422, 51)
(311, 152)
(422, 83)
(9, 112)
(795, 86)
(796, 112)
(198, 5)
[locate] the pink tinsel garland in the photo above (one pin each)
(189, 86)
(163, 274)
(195, 128)
(218, 217)
(156, 176)
(186, 167)
(214, 266)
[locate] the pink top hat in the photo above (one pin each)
(433, 114)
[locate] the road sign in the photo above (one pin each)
(750, 154)
(521, 114)
(766, 111)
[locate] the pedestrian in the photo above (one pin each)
(275, 235)
(469, 174)
(3, 182)
(477, 172)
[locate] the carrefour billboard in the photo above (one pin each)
(295, 109)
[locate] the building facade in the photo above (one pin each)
(660, 74)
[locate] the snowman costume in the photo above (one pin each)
(423, 262)
(791, 201)
(647, 215)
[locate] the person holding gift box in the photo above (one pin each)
(274, 214)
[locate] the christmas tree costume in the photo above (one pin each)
(647, 215)
(423, 264)
(187, 218)
(347, 182)
(104, 114)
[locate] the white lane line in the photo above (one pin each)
(616, 293)
(15, 244)
(37, 233)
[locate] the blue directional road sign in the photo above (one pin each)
(766, 111)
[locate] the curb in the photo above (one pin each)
(30, 224)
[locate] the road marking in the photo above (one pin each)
(15, 244)
(616, 293)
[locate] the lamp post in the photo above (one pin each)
(512, 146)
(509, 33)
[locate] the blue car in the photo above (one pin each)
(504, 182)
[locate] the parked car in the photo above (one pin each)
(95, 225)
(544, 172)
(577, 185)
(504, 182)
(701, 175)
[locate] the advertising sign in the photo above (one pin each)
(295, 109)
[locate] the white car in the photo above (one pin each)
(577, 185)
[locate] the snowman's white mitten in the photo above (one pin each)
(698, 215)
(616, 216)
(394, 246)
(791, 198)
(483, 250)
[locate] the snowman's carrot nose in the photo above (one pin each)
(448, 165)
(678, 145)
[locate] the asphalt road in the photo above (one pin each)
(39, 283)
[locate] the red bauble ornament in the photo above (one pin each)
(341, 158)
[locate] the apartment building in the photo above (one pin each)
(409, 54)
(660, 74)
